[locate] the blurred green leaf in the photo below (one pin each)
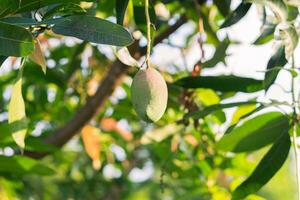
(26, 22)
(267, 167)
(64, 9)
(277, 60)
(38, 145)
(236, 15)
(16, 6)
(94, 29)
(140, 17)
(292, 13)
(8, 6)
(121, 6)
(266, 35)
(20, 165)
(241, 111)
(222, 83)
(210, 109)
(15, 40)
(4, 130)
(223, 6)
(29, 5)
(2, 60)
(219, 55)
(255, 133)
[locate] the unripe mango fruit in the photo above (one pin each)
(149, 94)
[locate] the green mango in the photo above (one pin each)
(149, 94)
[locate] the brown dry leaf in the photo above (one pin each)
(43, 40)
(38, 57)
(90, 137)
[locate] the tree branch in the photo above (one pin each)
(104, 91)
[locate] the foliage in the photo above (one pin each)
(68, 67)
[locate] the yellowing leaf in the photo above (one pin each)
(207, 96)
(90, 137)
(38, 57)
(16, 115)
(240, 112)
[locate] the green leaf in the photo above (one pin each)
(255, 133)
(20, 165)
(223, 6)
(15, 40)
(219, 55)
(17, 6)
(121, 6)
(276, 61)
(64, 9)
(38, 145)
(4, 130)
(292, 13)
(266, 35)
(140, 17)
(259, 108)
(236, 15)
(210, 109)
(26, 22)
(30, 5)
(2, 60)
(241, 112)
(8, 6)
(94, 29)
(16, 115)
(266, 169)
(222, 83)
(206, 97)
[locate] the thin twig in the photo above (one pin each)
(295, 147)
(201, 30)
(148, 33)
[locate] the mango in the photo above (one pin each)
(149, 94)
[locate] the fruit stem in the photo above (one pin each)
(295, 146)
(148, 33)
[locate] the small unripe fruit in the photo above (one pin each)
(149, 94)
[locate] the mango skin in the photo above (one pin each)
(149, 94)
